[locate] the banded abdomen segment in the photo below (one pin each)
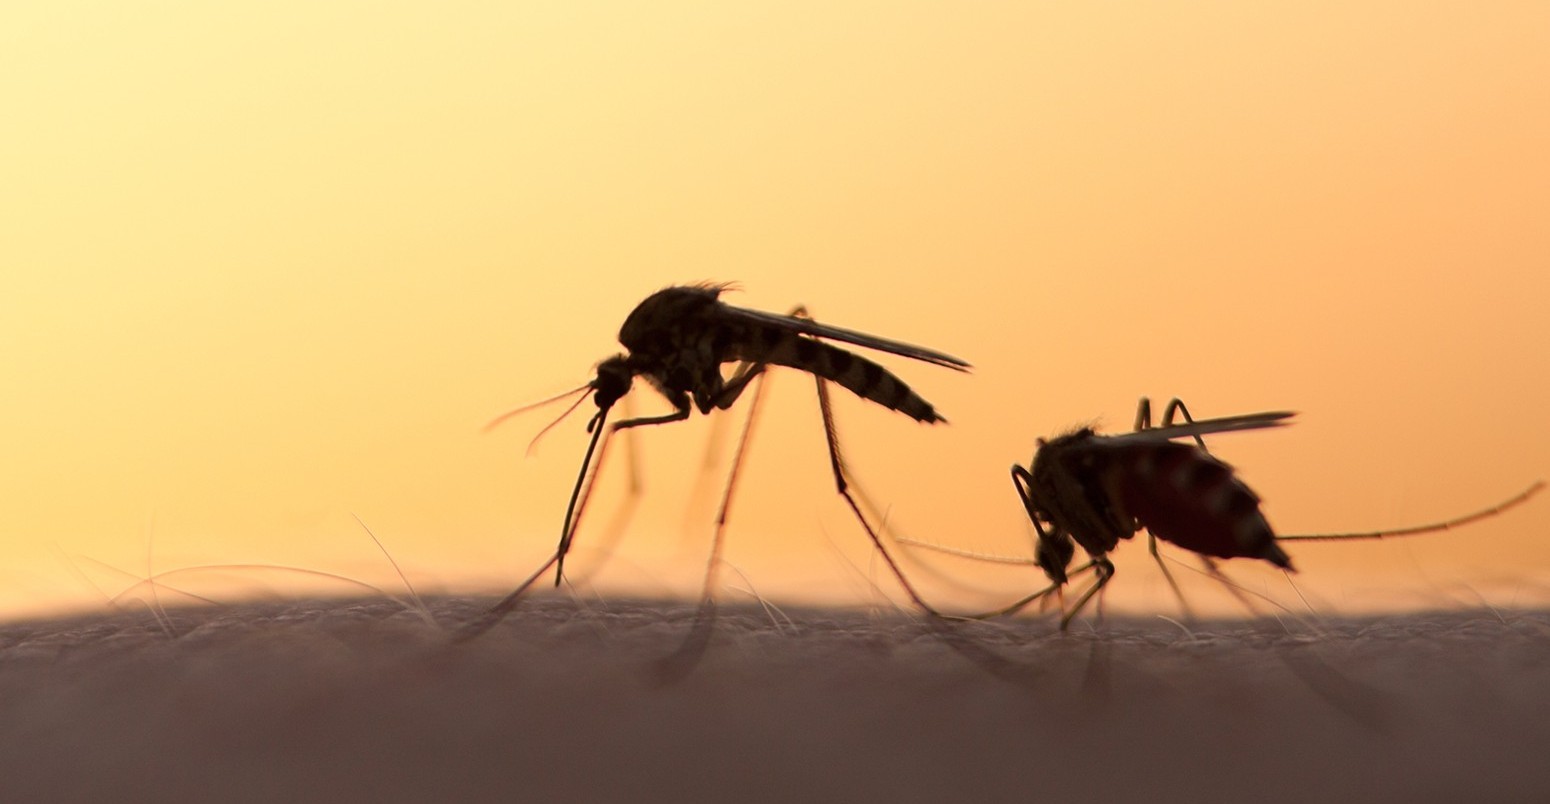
(859, 375)
(1184, 496)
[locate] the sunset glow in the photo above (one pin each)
(271, 265)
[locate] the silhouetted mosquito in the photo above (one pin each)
(1093, 490)
(677, 340)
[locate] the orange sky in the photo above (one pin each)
(270, 264)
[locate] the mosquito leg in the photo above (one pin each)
(747, 373)
(722, 514)
(625, 511)
(837, 464)
(1216, 572)
(841, 484)
(1151, 544)
(1449, 524)
(1143, 415)
(1019, 605)
(1036, 596)
(573, 511)
(733, 388)
(1176, 407)
(573, 523)
(869, 508)
(632, 452)
(585, 482)
(680, 413)
(1144, 422)
(1052, 549)
(688, 654)
(704, 476)
(1105, 571)
(495, 613)
(681, 661)
(1022, 481)
(667, 418)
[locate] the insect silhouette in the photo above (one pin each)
(1089, 490)
(677, 340)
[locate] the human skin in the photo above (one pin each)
(343, 700)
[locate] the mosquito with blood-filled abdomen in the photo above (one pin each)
(677, 340)
(1090, 490)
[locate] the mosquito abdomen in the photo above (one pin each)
(859, 375)
(1185, 496)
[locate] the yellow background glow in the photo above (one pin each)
(266, 265)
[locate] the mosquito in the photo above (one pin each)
(677, 340)
(1090, 490)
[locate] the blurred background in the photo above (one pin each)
(270, 265)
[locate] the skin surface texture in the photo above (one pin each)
(346, 700)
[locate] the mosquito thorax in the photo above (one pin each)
(1053, 555)
(664, 314)
(1045, 465)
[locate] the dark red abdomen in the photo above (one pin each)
(1184, 496)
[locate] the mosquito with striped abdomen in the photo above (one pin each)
(1090, 490)
(677, 340)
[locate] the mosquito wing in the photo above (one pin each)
(1226, 424)
(807, 326)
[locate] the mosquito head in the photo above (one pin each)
(1053, 554)
(614, 377)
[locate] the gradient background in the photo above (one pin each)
(266, 265)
